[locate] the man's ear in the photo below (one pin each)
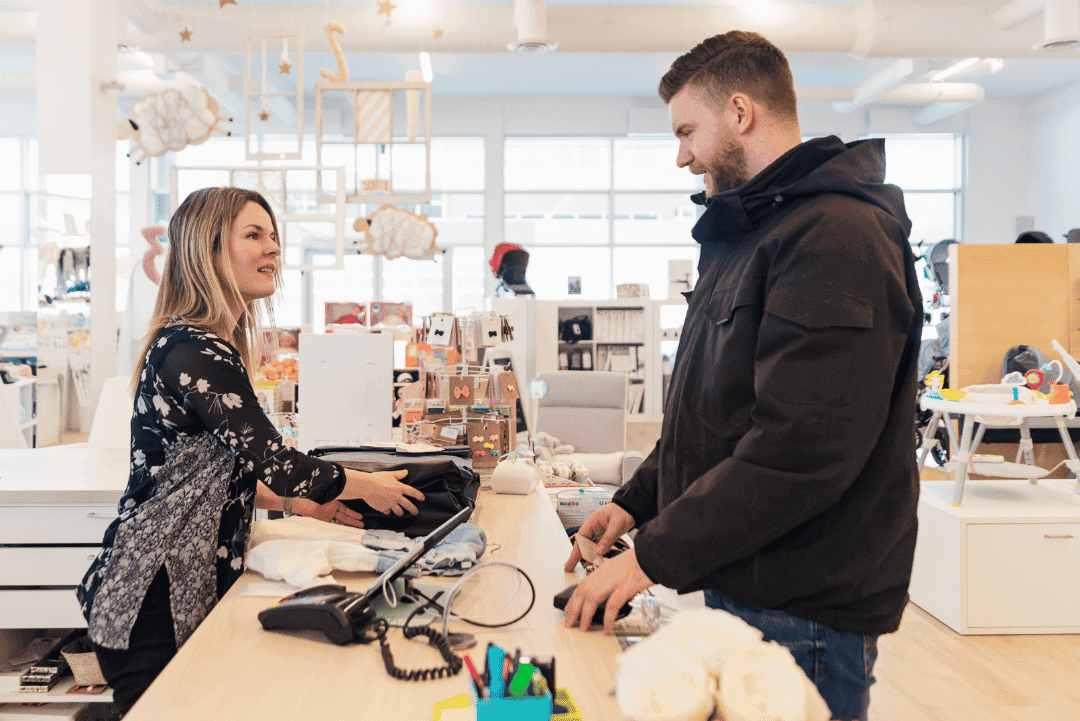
(740, 113)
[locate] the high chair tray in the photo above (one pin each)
(998, 409)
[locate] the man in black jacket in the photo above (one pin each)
(784, 482)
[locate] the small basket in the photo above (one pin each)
(83, 662)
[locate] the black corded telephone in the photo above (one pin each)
(345, 617)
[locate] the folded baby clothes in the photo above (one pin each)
(453, 556)
(303, 551)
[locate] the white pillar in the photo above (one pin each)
(76, 130)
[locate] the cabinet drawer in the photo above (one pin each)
(44, 566)
(55, 524)
(53, 608)
(1023, 575)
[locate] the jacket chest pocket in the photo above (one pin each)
(726, 304)
(812, 344)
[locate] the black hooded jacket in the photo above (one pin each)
(785, 475)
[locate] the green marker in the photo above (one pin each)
(521, 680)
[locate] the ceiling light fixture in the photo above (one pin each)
(425, 66)
(1061, 25)
(530, 17)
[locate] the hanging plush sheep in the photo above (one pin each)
(393, 232)
(170, 120)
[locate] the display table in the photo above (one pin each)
(231, 668)
(969, 442)
(1008, 561)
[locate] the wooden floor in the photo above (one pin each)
(928, 672)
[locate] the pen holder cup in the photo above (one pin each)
(508, 708)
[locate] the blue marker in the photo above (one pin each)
(496, 656)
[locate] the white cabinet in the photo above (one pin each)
(1007, 561)
(44, 552)
(55, 504)
(18, 414)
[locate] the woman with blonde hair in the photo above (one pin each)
(203, 453)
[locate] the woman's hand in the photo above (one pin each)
(381, 490)
(333, 512)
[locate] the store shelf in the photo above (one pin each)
(9, 692)
(617, 335)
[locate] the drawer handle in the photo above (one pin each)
(100, 515)
(1047, 535)
(91, 557)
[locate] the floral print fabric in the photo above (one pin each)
(199, 443)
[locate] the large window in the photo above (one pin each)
(929, 169)
(603, 210)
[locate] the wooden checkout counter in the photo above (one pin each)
(231, 668)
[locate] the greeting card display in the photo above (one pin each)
(460, 390)
(345, 313)
(488, 439)
(490, 328)
(441, 333)
(391, 313)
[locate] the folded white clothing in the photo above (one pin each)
(301, 528)
(302, 563)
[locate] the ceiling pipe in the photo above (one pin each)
(888, 78)
(935, 92)
(872, 28)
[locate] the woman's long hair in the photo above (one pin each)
(198, 283)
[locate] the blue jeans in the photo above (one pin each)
(840, 664)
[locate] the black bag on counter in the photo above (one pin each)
(446, 479)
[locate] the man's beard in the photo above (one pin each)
(727, 168)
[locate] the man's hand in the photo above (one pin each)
(616, 581)
(608, 524)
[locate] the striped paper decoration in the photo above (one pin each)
(373, 116)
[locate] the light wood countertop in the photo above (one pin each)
(231, 668)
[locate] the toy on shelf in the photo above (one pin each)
(1009, 403)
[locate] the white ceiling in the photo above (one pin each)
(610, 47)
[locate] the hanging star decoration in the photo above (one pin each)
(385, 8)
(284, 67)
(223, 3)
(185, 35)
(437, 32)
(264, 115)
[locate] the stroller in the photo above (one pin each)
(934, 353)
(932, 357)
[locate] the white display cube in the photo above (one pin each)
(1007, 561)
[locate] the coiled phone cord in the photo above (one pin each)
(436, 639)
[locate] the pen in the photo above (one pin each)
(481, 691)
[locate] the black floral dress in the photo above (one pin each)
(199, 444)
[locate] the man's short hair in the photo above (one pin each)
(736, 61)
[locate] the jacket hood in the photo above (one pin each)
(822, 165)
